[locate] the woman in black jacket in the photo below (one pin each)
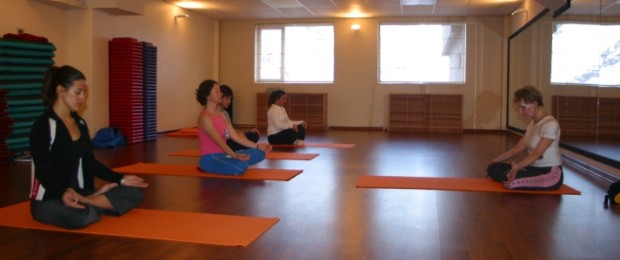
(64, 166)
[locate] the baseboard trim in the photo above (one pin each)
(244, 126)
(592, 167)
(167, 131)
(484, 131)
(357, 128)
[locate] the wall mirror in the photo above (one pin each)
(585, 95)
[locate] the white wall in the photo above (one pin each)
(186, 51)
(37, 19)
(355, 99)
(191, 50)
(185, 57)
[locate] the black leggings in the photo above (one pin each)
(288, 136)
(250, 135)
(54, 212)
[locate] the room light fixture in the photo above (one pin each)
(356, 11)
(190, 4)
(520, 10)
(355, 27)
(181, 16)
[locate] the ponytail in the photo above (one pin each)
(58, 76)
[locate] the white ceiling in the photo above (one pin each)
(290, 9)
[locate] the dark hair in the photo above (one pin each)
(203, 91)
(226, 91)
(275, 95)
(528, 94)
(58, 76)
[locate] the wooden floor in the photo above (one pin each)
(324, 216)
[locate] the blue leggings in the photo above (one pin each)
(223, 164)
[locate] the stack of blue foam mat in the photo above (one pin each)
(126, 88)
(149, 79)
(22, 68)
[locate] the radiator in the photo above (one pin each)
(309, 107)
(425, 113)
(587, 116)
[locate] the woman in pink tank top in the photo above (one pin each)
(214, 130)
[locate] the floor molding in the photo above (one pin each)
(589, 166)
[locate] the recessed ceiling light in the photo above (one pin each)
(190, 4)
(356, 15)
(283, 3)
(417, 2)
(356, 12)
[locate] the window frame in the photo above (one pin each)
(425, 82)
(551, 61)
(282, 78)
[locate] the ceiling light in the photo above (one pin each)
(417, 2)
(283, 3)
(520, 10)
(356, 12)
(355, 27)
(190, 4)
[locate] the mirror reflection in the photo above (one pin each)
(574, 59)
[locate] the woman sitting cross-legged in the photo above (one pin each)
(541, 168)
(64, 164)
(281, 129)
(214, 129)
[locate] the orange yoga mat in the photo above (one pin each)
(201, 228)
(268, 155)
(185, 132)
(323, 145)
(182, 134)
(453, 184)
(192, 170)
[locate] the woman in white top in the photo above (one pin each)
(280, 129)
(541, 168)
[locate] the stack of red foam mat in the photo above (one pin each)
(127, 88)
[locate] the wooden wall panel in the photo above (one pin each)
(261, 111)
(425, 113)
(587, 116)
(309, 107)
(609, 117)
(576, 115)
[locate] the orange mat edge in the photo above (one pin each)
(406, 182)
(253, 174)
(18, 216)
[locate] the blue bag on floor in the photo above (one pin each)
(108, 137)
(613, 193)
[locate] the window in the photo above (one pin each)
(585, 54)
(422, 53)
(295, 53)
